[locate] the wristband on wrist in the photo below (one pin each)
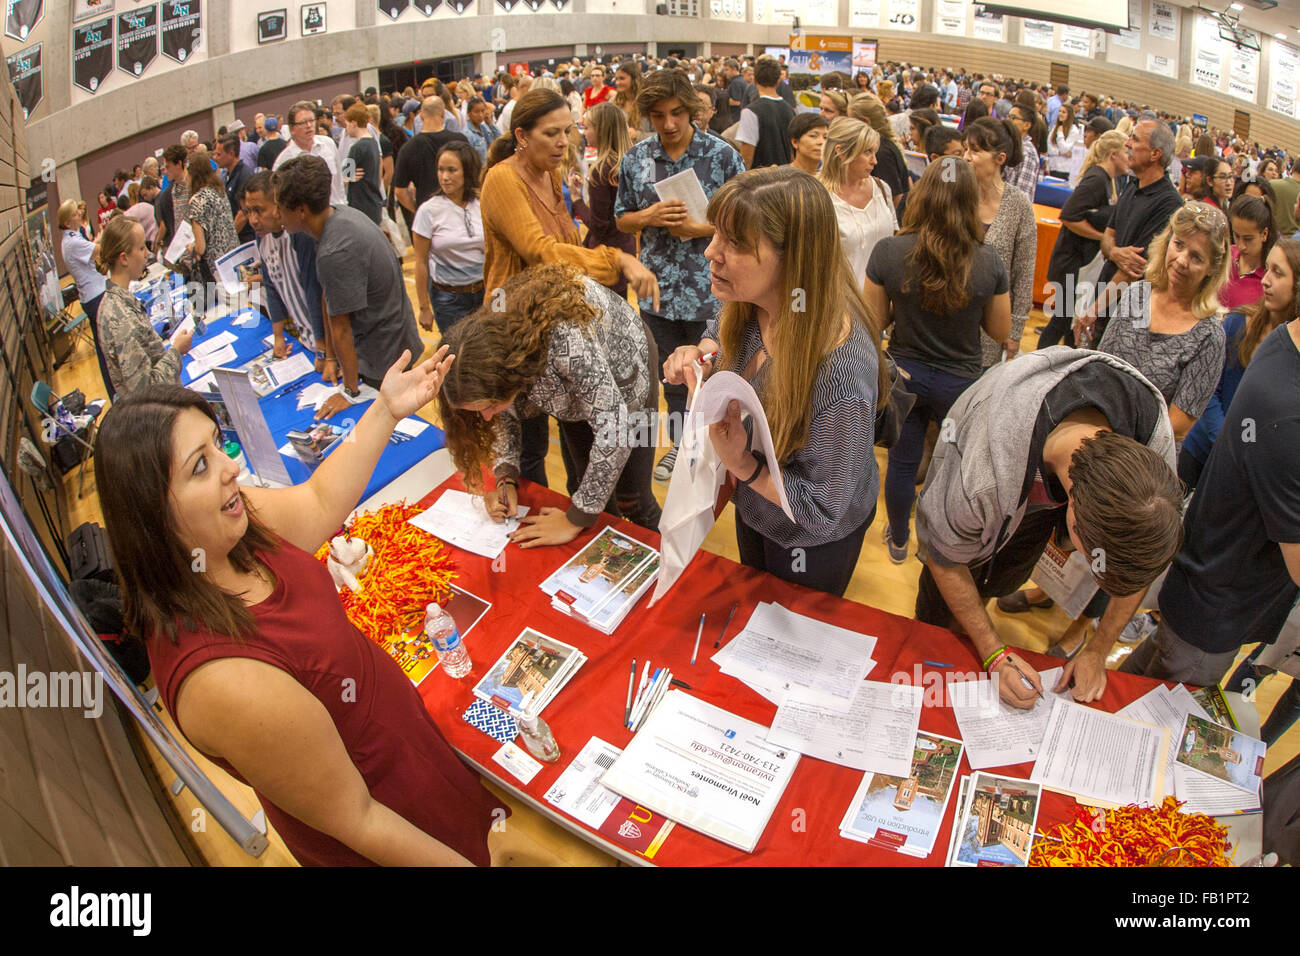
(998, 658)
(996, 652)
(758, 469)
(509, 481)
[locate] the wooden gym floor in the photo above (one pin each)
(530, 839)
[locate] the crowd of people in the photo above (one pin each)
(866, 262)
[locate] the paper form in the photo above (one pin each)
(686, 187)
(462, 519)
(878, 733)
(289, 370)
(578, 792)
(1100, 758)
(997, 734)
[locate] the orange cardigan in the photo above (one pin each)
(513, 239)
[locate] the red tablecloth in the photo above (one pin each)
(804, 829)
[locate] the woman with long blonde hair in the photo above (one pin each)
(627, 87)
(607, 131)
(864, 205)
(513, 362)
(891, 167)
(795, 324)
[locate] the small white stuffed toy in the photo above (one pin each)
(348, 560)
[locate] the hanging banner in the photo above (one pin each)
(1076, 40)
(1207, 54)
(182, 28)
(312, 16)
(427, 6)
(822, 13)
(988, 26)
(395, 8)
(864, 13)
(272, 25)
(85, 9)
(92, 54)
(22, 16)
(1039, 34)
(137, 40)
(25, 76)
(1243, 73)
(1162, 65)
(950, 17)
(904, 15)
(1164, 21)
(1284, 79)
(1132, 37)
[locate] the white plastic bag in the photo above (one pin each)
(396, 233)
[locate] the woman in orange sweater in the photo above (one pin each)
(526, 222)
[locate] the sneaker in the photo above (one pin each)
(664, 470)
(897, 554)
(1140, 627)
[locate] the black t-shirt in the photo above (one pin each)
(164, 210)
(1072, 251)
(235, 180)
(892, 168)
(385, 146)
(269, 151)
(721, 118)
(364, 195)
(737, 90)
(950, 343)
(1229, 585)
(1140, 214)
(417, 162)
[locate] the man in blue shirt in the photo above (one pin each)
(672, 243)
(1062, 95)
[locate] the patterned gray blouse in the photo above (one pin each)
(597, 373)
(1014, 234)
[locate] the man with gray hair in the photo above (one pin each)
(303, 138)
(1142, 211)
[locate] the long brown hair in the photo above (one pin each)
(868, 108)
(794, 212)
(1259, 321)
(202, 175)
(627, 102)
(528, 112)
(608, 134)
(500, 353)
(161, 587)
(943, 211)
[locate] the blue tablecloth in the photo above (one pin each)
(1052, 192)
(283, 415)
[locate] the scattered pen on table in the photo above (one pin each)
(681, 683)
(726, 625)
(937, 664)
(697, 640)
(631, 680)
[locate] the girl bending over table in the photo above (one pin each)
(251, 650)
(565, 346)
(795, 324)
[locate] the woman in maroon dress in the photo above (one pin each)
(251, 650)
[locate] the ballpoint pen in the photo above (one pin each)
(697, 640)
(726, 625)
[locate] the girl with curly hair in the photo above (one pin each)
(555, 342)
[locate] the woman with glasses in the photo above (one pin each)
(1219, 183)
(598, 92)
(447, 234)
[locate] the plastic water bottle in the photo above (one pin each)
(538, 738)
(443, 633)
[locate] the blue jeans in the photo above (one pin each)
(450, 307)
(935, 392)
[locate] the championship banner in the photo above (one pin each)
(427, 6)
(92, 54)
(393, 8)
(137, 40)
(182, 28)
(25, 75)
(21, 16)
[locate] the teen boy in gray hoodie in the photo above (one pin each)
(1061, 441)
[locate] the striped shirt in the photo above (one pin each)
(1025, 176)
(285, 277)
(832, 481)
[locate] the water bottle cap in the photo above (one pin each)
(433, 608)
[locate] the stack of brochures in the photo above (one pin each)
(995, 823)
(904, 814)
(600, 584)
(530, 673)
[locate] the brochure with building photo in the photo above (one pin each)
(905, 813)
(530, 673)
(996, 826)
(601, 582)
(415, 653)
(1222, 753)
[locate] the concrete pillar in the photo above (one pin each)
(367, 11)
(68, 179)
(216, 26)
(368, 78)
(223, 115)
